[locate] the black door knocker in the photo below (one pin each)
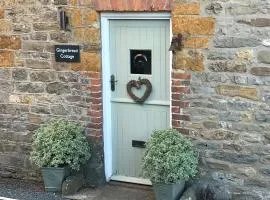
(138, 84)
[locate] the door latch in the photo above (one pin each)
(113, 81)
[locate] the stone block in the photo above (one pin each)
(262, 117)
(235, 158)
(33, 46)
(10, 42)
(82, 35)
(260, 71)
(30, 87)
(42, 76)
(264, 57)
(90, 16)
(61, 37)
(197, 42)
(221, 134)
(236, 42)
(12, 109)
(59, 110)
(258, 22)
(72, 184)
(211, 124)
(193, 25)
(43, 26)
(21, 28)
(5, 74)
(5, 26)
(186, 9)
(39, 36)
(75, 16)
(189, 60)
(37, 64)
(34, 119)
(68, 77)
(60, 2)
(242, 9)
(57, 88)
(234, 91)
(220, 54)
(226, 66)
(206, 189)
(6, 58)
(19, 74)
(265, 171)
(90, 61)
(42, 109)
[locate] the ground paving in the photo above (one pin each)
(11, 189)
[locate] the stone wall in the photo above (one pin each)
(34, 88)
(220, 82)
(221, 90)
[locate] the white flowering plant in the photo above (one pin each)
(169, 157)
(60, 143)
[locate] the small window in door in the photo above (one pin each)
(140, 61)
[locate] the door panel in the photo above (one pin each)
(132, 121)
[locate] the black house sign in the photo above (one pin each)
(67, 53)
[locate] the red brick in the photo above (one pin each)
(175, 123)
(181, 76)
(93, 75)
(175, 96)
(93, 134)
(133, 5)
(96, 119)
(181, 117)
(181, 89)
(95, 88)
(96, 94)
(96, 107)
(95, 82)
(94, 113)
(96, 100)
(182, 104)
(175, 109)
(95, 125)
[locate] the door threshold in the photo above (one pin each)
(131, 180)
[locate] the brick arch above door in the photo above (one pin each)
(133, 5)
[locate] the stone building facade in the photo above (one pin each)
(220, 76)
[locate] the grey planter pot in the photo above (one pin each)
(169, 191)
(53, 178)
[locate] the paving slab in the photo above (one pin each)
(115, 191)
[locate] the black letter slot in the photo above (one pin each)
(138, 144)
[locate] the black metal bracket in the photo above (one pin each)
(63, 20)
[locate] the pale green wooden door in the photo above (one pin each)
(138, 44)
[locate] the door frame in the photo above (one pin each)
(106, 72)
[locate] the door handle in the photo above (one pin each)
(113, 81)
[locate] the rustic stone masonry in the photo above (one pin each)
(221, 90)
(35, 88)
(220, 82)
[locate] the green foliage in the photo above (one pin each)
(169, 157)
(60, 143)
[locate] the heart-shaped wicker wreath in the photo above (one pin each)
(138, 84)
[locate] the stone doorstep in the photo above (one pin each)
(115, 191)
